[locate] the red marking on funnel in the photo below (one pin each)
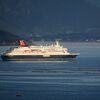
(22, 43)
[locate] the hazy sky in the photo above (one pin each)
(35, 15)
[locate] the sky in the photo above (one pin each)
(44, 16)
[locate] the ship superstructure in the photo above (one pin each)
(38, 52)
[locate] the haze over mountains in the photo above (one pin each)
(50, 19)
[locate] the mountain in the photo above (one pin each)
(7, 37)
(70, 36)
(51, 19)
(56, 16)
(45, 16)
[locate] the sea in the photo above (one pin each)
(74, 79)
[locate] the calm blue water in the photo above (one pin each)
(77, 79)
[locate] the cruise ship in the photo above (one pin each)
(53, 52)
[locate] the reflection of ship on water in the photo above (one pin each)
(53, 52)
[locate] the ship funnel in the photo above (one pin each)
(22, 43)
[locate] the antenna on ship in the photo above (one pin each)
(57, 43)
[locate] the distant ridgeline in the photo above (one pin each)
(69, 36)
(7, 38)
